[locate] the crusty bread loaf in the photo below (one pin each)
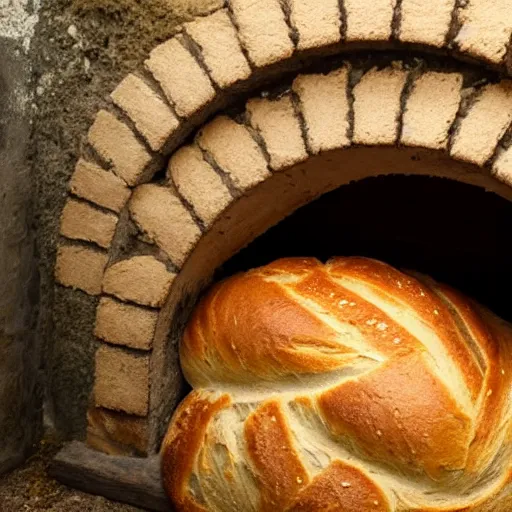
(347, 387)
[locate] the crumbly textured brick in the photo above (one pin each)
(81, 268)
(235, 151)
(117, 144)
(425, 22)
(141, 279)
(183, 81)
(220, 48)
(80, 221)
(198, 183)
(377, 106)
(502, 167)
(179, 233)
(369, 20)
(101, 187)
(121, 381)
(485, 123)
(150, 113)
(431, 109)
(486, 28)
(325, 107)
(116, 433)
(262, 30)
(280, 129)
(124, 324)
(317, 22)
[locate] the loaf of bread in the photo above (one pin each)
(347, 386)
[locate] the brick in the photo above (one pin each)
(80, 268)
(325, 107)
(117, 144)
(161, 215)
(101, 187)
(80, 221)
(369, 20)
(431, 109)
(486, 28)
(377, 106)
(121, 381)
(152, 116)
(263, 30)
(502, 167)
(141, 279)
(235, 151)
(198, 183)
(220, 48)
(485, 123)
(280, 129)
(124, 324)
(183, 81)
(317, 22)
(117, 433)
(425, 22)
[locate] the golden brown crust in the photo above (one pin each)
(495, 408)
(401, 413)
(255, 335)
(182, 444)
(278, 468)
(407, 291)
(327, 369)
(341, 488)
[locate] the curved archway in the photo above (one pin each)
(233, 50)
(239, 177)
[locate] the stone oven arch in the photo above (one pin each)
(145, 244)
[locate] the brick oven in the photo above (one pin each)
(254, 112)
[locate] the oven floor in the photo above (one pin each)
(29, 488)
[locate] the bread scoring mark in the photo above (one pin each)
(278, 468)
(222, 470)
(292, 385)
(471, 337)
(311, 435)
(264, 336)
(496, 400)
(378, 330)
(407, 292)
(319, 447)
(401, 413)
(448, 370)
(342, 488)
(346, 334)
(183, 443)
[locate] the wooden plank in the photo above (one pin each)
(136, 481)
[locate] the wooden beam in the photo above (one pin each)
(136, 481)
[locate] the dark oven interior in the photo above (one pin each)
(454, 232)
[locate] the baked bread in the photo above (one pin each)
(346, 387)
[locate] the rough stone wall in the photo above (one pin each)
(20, 392)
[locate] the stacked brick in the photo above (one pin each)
(154, 110)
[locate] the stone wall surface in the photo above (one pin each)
(20, 396)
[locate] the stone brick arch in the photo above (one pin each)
(239, 177)
(238, 48)
(144, 243)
